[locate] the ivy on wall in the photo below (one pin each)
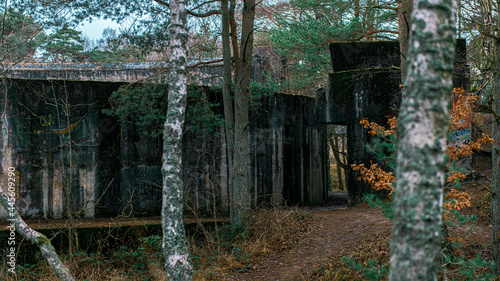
(145, 105)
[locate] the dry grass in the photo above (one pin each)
(345, 264)
(214, 250)
(271, 230)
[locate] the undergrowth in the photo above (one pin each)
(215, 251)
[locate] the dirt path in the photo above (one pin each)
(339, 229)
(334, 230)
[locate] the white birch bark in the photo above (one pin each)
(422, 136)
(175, 247)
(36, 238)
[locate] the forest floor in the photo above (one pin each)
(337, 231)
(329, 242)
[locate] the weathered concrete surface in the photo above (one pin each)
(366, 84)
(69, 154)
(288, 152)
(206, 72)
(147, 71)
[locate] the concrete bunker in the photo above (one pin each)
(114, 169)
(366, 84)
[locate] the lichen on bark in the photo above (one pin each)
(423, 123)
(43, 243)
(174, 244)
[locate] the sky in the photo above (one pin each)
(94, 29)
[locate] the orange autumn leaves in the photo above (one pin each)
(376, 177)
(376, 129)
(461, 115)
(459, 119)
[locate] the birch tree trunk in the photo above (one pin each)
(422, 129)
(48, 251)
(175, 247)
(496, 153)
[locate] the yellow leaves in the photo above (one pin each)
(456, 240)
(376, 177)
(456, 176)
(465, 150)
(455, 200)
(460, 121)
(460, 116)
(376, 129)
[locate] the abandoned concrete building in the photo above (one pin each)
(53, 111)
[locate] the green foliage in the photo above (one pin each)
(259, 91)
(149, 19)
(142, 105)
(372, 270)
(65, 45)
(113, 47)
(461, 218)
(376, 202)
(200, 115)
(145, 105)
(305, 32)
(155, 242)
(385, 150)
(305, 43)
(21, 36)
(470, 269)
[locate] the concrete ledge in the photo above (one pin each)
(146, 71)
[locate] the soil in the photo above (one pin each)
(338, 228)
(335, 229)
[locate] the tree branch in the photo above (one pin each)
(373, 32)
(35, 237)
(204, 63)
(488, 109)
(204, 15)
(487, 34)
(190, 12)
(204, 3)
(162, 3)
(384, 7)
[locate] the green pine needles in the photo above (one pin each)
(144, 106)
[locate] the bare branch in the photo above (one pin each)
(162, 3)
(204, 3)
(373, 32)
(204, 15)
(384, 7)
(482, 107)
(204, 63)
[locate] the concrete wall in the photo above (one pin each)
(366, 84)
(199, 72)
(115, 169)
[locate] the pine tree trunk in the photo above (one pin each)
(226, 90)
(422, 136)
(240, 190)
(496, 154)
(175, 247)
(336, 149)
(404, 14)
(48, 251)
